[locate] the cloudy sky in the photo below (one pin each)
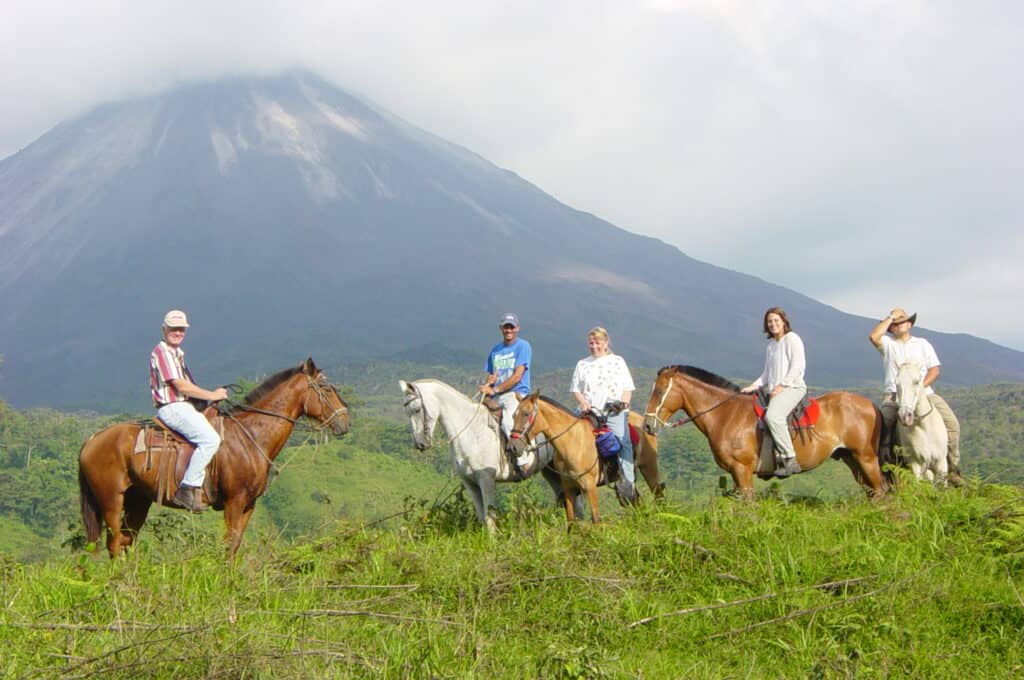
(868, 154)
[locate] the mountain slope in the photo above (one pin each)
(290, 218)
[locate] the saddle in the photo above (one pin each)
(173, 455)
(495, 410)
(802, 418)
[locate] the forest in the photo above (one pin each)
(374, 472)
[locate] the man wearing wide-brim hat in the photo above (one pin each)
(891, 336)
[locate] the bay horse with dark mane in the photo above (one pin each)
(117, 485)
(848, 427)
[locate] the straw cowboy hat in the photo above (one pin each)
(899, 315)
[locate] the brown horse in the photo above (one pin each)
(645, 455)
(848, 427)
(572, 437)
(113, 479)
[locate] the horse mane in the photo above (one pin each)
(552, 402)
(270, 383)
(704, 376)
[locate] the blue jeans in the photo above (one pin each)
(617, 424)
(184, 419)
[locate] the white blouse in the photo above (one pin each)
(784, 363)
(602, 379)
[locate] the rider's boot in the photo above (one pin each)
(190, 498)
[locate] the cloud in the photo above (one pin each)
(818, 145)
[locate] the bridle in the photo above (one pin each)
(525, 432)
(428, 437)
(319, 385)
(688, 419)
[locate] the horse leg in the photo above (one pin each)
(743, 480)
(237, 513)
(485, 481)
(646, 455)
(569, 498)
(595, 516)
(136, 509)
(469, 483)
(112, 518)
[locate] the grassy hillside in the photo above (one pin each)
(924, 584)
(374, 472)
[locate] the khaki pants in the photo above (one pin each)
(776, 414)
(889, 408)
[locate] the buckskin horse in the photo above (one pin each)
(848, 428)
(114, 480)
(575, 459)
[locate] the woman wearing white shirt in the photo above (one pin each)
(598, 379)
(783, 378)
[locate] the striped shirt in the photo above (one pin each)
(166, 363)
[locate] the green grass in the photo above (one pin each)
(925, 583)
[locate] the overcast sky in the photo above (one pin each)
(867, 154)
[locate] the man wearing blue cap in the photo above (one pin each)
(508, 370)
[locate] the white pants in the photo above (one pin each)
(775, 417)
(509, 403)
(184, 419)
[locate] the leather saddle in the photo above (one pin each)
(173, 454)
(801, 419)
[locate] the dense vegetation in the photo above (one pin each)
(370, 473)
(364, 559)
(923, 584)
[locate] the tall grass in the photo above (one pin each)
(926, 583)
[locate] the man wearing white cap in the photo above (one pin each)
(508, 370)
(172, 387)
(896, 350)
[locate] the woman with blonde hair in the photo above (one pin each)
(600, 379)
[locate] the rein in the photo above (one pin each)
(427, 436)
(688, 419)
(311, 386)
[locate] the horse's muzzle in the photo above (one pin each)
(651, 425)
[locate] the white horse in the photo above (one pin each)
(922, 433)
(474, 441)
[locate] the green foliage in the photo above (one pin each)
(919, 585)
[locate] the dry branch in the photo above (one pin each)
(830, 585)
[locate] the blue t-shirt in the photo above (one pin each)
(504, 359)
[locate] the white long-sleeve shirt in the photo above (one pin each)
(784, 363)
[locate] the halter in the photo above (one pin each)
(319, 386)
(688, 419)
(311, 385)
(525, 432)
(427, 436)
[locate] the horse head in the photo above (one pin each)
(523, 421)
(322, 401)
(909, 390)
(421, 422)
(658, 411)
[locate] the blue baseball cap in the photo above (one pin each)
(509, 318)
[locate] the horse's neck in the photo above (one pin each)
(697, 396)
(271, 432)
(454, 409)
(557, 422)
(700, 399)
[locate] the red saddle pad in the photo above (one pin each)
(808, 419)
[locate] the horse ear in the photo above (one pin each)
(535, 393)
(405, 387)
(308, 367)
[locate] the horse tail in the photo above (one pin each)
(886, 455)
(90, 507)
